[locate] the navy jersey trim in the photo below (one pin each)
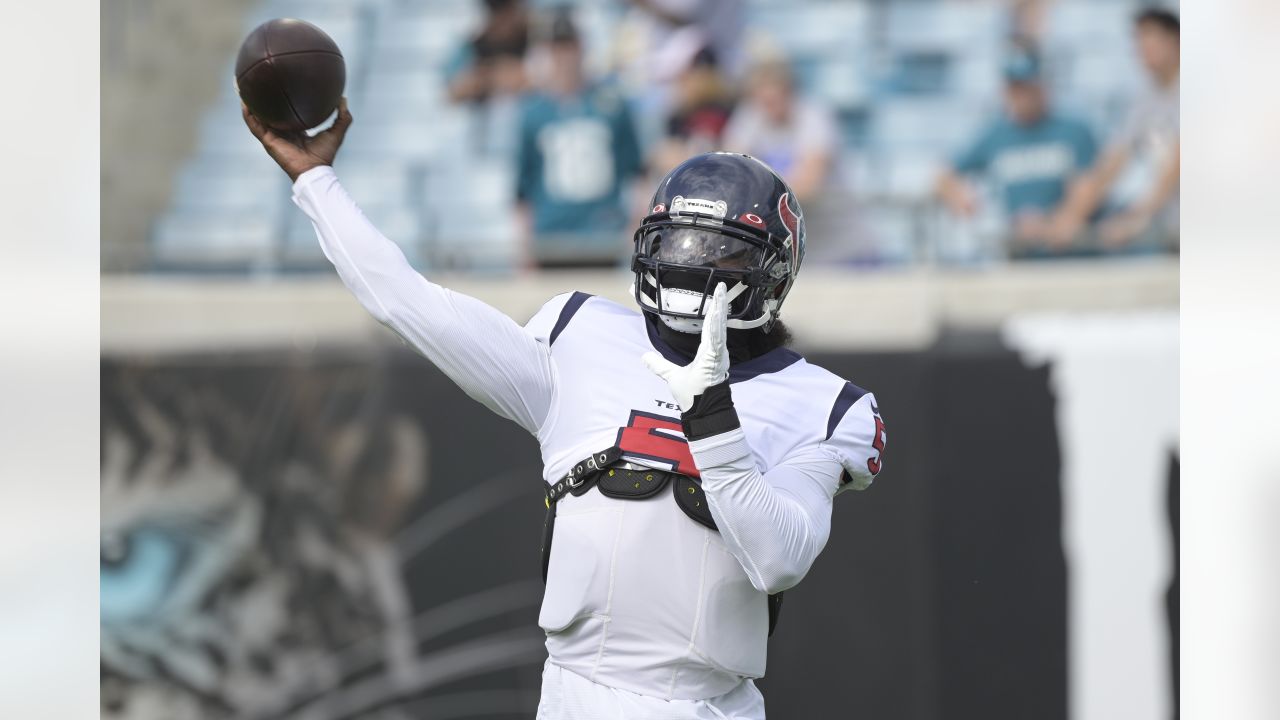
(770, 362)
(849, 394)
(567, 312)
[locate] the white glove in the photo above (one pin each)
(709, 367)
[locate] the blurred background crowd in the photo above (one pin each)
(496, 136)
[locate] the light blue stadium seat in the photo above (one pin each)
(843, 82)
(1091, 45)
(385, 181)
(475, 184)
(859, 174)
(207, 240)
(389, 92)
(450, 8)
(855, 126)
(919, 73)
(447, 133)
(827, 28)
(414, 111)
(831, 56)
(222, 131)
(976, 76)
(424, 36)
(937, 125)
(892, 230)
(482, 239)
(1090, 23)
(911, 175)
(254, 185)
(1112, 71)
(470, 214)
(950, 26)
(318, 12)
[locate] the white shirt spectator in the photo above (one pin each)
(1150, 135)
(720, 23)
(810, 129)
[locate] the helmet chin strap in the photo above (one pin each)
(765, 318)
(689, 301)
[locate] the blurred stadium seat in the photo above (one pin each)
(421, 35)
(215, 240)
(231, 184)
(445, 135)
(469, 211)
(955, 27)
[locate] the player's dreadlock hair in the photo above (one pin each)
(759, 343)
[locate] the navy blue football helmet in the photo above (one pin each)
(718, 217)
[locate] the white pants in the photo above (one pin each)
(569, 696)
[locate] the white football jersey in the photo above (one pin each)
(639, 596)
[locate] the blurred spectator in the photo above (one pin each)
(796, 137)
(701, 108)
(652, 43)
(492, 62)
(1032, 156)
(1146, 144)
(1029, 18)
(577, 151)
(717, 24)
(488, 73)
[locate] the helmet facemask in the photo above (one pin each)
(680, 259)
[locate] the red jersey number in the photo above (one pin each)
(649, 436)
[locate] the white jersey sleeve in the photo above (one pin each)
(491, 357)
(855, 437)
(777, 522)
(774, 523)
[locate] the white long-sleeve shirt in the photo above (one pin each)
(639, 596)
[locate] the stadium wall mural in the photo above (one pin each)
(346, 535)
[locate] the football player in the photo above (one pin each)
(690, 458)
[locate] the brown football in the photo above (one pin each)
(290, 74)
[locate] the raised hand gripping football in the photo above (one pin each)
(299, 153)
(711, 364)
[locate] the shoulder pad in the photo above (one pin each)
(547, 324)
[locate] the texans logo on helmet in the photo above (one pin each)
(792, 221)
